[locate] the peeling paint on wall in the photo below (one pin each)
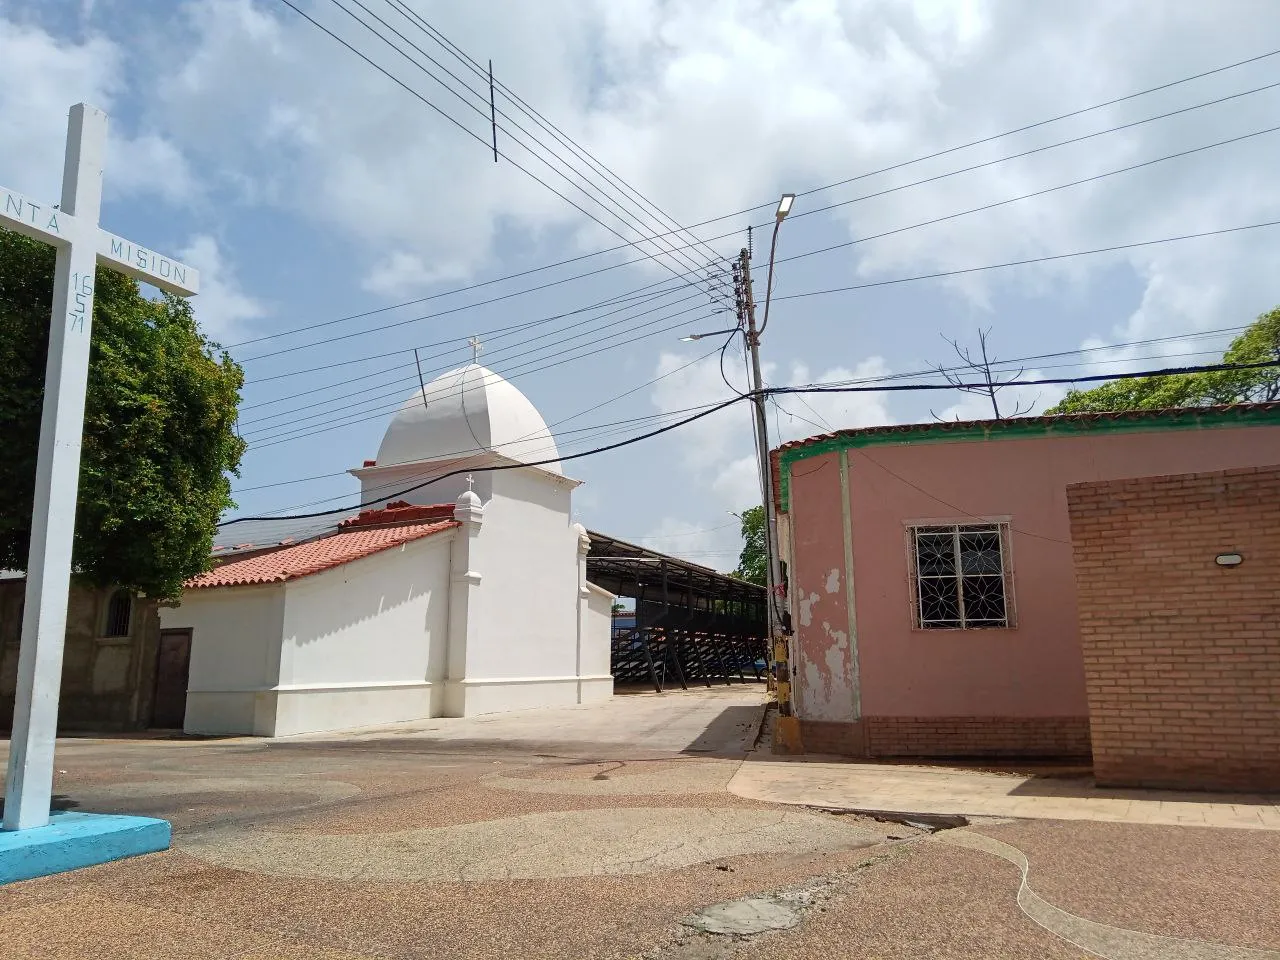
(833, 580)
(827, 696)
(806, 609)
(827, 675)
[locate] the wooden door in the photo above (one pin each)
(173, 665)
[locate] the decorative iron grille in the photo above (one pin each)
(960, 575)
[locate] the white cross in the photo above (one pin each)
(476, 347)
(71, 227)
(471, 482)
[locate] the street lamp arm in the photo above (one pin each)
(768, 285)
(689, 338)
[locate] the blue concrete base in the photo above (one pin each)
(74, 840)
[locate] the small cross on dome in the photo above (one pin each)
(471, 482)
(476, 347)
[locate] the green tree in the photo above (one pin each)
(159, 432)
(753, 562)
(1259, 343)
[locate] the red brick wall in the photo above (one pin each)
(1182, 656)
(978, 736)
(839, 739)
(950, 737)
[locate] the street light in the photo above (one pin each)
(779, 622)
(784, 208)
(690, 337)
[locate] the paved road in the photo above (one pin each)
(600, 831)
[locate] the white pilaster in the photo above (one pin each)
(584, 547)
(464, 583)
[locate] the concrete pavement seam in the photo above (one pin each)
(1100, 939)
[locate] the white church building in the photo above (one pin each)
(457, 597)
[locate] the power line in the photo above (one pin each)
(956, 215)
(529, 365)
(493, 468)
(512, 347)
(763, 206)
(590, 190)
(1026, 153)
(871, 284)
(828, 207)
(451, 119)
(683, 533)
(478, 453)
(1192, 335)
(1030, 260)
(1041, 381)
(498, 331)
(581, 356)
(557, 423)
(1042, 123)
(1034, 193)
(1168, 371)
(302, 433)
(546, 124)
(524, 107)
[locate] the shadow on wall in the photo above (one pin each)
(356, 608)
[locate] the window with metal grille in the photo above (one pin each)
(119, 610)
(960, 576)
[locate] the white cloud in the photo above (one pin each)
(402, 274)
(712, 544)
(713, 448)
(33, 134)
(222, 308)
(803, 415)
(41, 77)
(150, 164)
(716, 106)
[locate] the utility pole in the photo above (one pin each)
(773, 578)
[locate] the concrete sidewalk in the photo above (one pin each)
(902, 788)
(720, 721)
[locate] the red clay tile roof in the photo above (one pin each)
(400, 511)
(316, 555)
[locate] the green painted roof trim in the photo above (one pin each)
(1246, 415)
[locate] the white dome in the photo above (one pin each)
(468, 411)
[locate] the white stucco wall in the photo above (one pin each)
(364, 643)
(235, 656)
(383, 481)
(527, 554)
(597, 638)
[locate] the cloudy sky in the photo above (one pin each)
(335, 214)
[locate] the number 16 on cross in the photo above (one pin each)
(72, 227)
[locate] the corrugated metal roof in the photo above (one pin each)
(257, 534)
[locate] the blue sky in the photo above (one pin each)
(309, 187)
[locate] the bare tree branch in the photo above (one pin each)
(991, 383)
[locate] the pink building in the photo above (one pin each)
(930, 576)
